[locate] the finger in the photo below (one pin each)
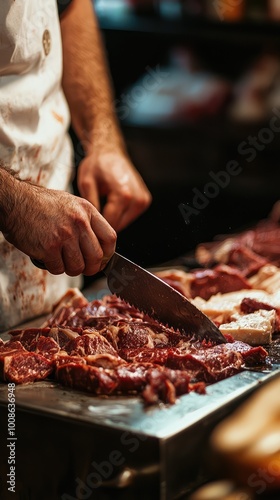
(105, 234)
(55, 265)
(121, 214)
(127, 218)
(114, 209)
(92, 253)
(72, 256)
(87, 186)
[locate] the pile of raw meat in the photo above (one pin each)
(107, 347)
(238, 282)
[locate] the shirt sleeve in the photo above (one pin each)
(62, 5)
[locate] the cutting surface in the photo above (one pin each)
(129, 413)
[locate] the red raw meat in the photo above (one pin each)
(248, 250)
(10, 347)
(23, 367)
(86, 378)
(153, 382)
(29, 335)
(63, 335)
(220, 279)
(208, 364)
(92, 343)
(60, 334)
(46, 346)
(129, 354)
(200, 365)
(245, 259)
(72, 301)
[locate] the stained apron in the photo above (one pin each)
(34, 142)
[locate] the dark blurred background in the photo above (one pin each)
(197, 85)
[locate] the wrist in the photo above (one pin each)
(104, 137)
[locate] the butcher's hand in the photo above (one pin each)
(64, 231)
(112, 176)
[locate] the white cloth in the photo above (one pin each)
(34, 120)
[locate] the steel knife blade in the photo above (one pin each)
(157, 299)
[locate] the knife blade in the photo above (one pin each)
(157, 299)
(151, 295)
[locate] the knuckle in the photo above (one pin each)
(84, 182)
(85, 204)
(144, 201)
(98, 255)
(127, 196)
(148, 198)
(112, 237)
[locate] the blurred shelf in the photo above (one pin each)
(242, 31)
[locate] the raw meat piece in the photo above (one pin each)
(22, 333)
(220, 279)
(23, 367)
(89, 343)
(136, 334)
(97, 313)
(133, 334)
(167, 385)
(180, 280)
(46, 346)
(252, 356)
(208, 364)
(29, 335)
(263, 241)
(86, 378)
(63, 358)
(201, 365)
(104, 360)
(245, 259)
(155, 383)
(60, 335)
(68, 304)
(63, 335)
(251, 305)
(10, 347)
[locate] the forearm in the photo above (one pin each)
(86, 80)
(8, 189)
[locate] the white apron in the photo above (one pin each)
(34, 120)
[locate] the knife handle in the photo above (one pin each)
(38, 263)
